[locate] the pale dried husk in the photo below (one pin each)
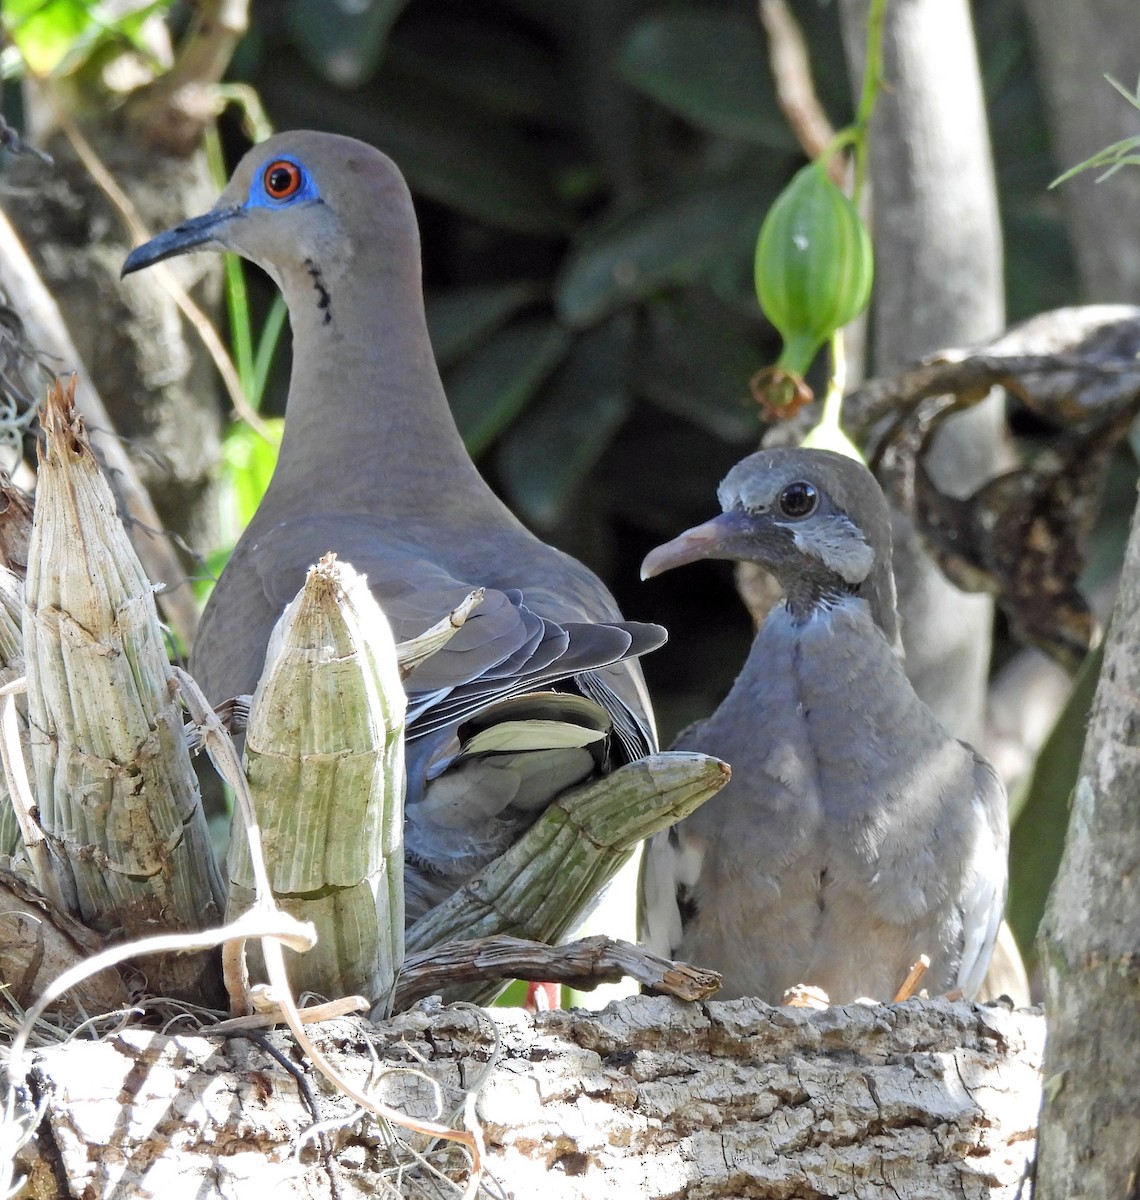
(325, 762)
(117, 795)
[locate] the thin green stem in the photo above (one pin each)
(855, 135)
(237, 295)
(266, 347)
(872, 84)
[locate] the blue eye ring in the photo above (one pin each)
(280, 182)
(282, 179)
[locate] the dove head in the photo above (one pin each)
(816, 520)
(309, 208)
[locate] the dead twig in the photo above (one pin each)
(583, 964)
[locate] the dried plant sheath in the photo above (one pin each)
(543, 885)
(117, 795)
(11, 667)
(325, 762)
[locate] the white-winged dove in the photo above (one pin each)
(537, 690)
(855, 834)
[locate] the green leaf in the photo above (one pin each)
(54, 36)
(485, 63)
(267, 345)
(1040, 809)
(476, 165)
(680, 240)
(343, 41)
(547, 454)
(1039, 270)
(248, 462)
(695, 358)
(462, 318)
(46, 31)
(710, 68)
(492, 386)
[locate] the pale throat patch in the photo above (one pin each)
(838, 544)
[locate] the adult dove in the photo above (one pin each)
(536, 691)
(855, 833)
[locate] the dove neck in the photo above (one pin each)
(367, 420)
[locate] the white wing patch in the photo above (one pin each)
(983, 903)
(672, 861)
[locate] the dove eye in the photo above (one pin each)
(282, 179)
(798, 500)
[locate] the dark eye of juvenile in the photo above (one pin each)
(798, 500)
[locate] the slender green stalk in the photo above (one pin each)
(266, 348)
(829, 432)
(237, 295)
(872, 84)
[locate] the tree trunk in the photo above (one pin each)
(1090, 940)
(1077, 45)
(649, 1098)
(938, 283)
(150, 366)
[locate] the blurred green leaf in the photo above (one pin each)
(247, 466)
(654, 446)
(548, 452)
(343, 40)
(55, 35)
(476, 165)
(46, 32)
(248, 461)
(695, 358)
(1040, 809)
(267, 345)
(1039, 269)
(712, 69)
(482, 63)
(460, 319)
(680, 240)
(131, 25)
(492, 386)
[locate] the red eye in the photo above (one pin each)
(282, 179)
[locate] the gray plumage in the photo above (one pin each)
(855, 834)
(373, 468)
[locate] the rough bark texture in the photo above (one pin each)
(1090, 940)
(1077, 45)
(938, 282)
(148, 363)
(647, 1098)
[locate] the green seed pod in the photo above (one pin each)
(813, 265)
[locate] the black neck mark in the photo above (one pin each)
(805, 597)
(324, 302)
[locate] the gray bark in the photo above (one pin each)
(649, 1098)
(147, 362)
(1090, 940)
(938, 282)
(1077, 45)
